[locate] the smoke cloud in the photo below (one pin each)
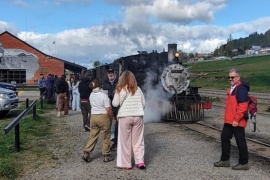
(157, 103)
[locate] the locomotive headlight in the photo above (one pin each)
(177, 54)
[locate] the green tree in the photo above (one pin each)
(97, 63)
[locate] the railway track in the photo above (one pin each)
(254, 146)
(263, 98)
(258, 113)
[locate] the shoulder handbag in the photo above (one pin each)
(122, 103)
(124, 99)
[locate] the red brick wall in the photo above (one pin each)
(47, 64)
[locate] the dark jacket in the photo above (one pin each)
(236, 104)
(110, 87)
(84, 88)
(63, 87)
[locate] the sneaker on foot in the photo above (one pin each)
(241, 167)
(222, 164)
(86, 157)
(87, 128)
(107, 158)
(141, 166)
(114, 147)
(58, 113)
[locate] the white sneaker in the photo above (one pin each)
(59, 114)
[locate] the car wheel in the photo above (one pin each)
(3, 113)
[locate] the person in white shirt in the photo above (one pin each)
(100, 122)
(130, 121)
(75, 103)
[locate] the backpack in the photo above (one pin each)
(252, 106)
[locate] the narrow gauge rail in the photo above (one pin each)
(262, 97)
(254, 146)
(221, 106)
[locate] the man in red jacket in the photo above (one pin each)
(234, 122)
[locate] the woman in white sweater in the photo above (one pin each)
(130, 121)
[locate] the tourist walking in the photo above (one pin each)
(63, 91)
(85, 91)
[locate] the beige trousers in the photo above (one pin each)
(130, 140)
(99, 123)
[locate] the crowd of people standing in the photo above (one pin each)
(110, 102)
(106, 107)
(115, 107)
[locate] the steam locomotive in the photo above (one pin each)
(162, 74)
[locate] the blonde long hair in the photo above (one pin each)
(127, 81)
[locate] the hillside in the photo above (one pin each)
(213, 74)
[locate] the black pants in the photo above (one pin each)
(115, 133)
(115, 111)
(41, 91)
(239, 134)
(86, 113)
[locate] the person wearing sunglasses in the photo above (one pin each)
(109, 85)
(234, 122)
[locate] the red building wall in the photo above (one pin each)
(47, 64)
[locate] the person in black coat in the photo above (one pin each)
(85, 91)
(109, 86)
(63, 95)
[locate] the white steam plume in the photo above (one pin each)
(157, 103)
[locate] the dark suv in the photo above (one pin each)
(8, 86)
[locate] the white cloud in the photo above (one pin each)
(4, 26)
(176, 11)
(106, 43)
(148, 25)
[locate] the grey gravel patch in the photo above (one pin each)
(172, 152)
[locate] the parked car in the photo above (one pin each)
(8, 100)
(8, 86)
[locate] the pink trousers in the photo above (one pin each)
(130, 140)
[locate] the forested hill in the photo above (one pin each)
(242, 44)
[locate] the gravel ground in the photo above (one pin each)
(172, 152)
(215, 117)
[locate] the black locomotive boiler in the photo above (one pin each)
(156, 72)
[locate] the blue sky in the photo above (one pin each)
(104, 30)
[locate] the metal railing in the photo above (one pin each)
(16, 122)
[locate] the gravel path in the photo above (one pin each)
(172, 152)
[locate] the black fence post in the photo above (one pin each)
(35, 112)
(27, 103)
(41, 103)
(17, 137)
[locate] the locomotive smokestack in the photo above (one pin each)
(172, 48)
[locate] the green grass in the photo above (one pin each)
(213, 74)
(12, 163)
(28, 89)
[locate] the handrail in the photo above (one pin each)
(19, 117)
(16, 122)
